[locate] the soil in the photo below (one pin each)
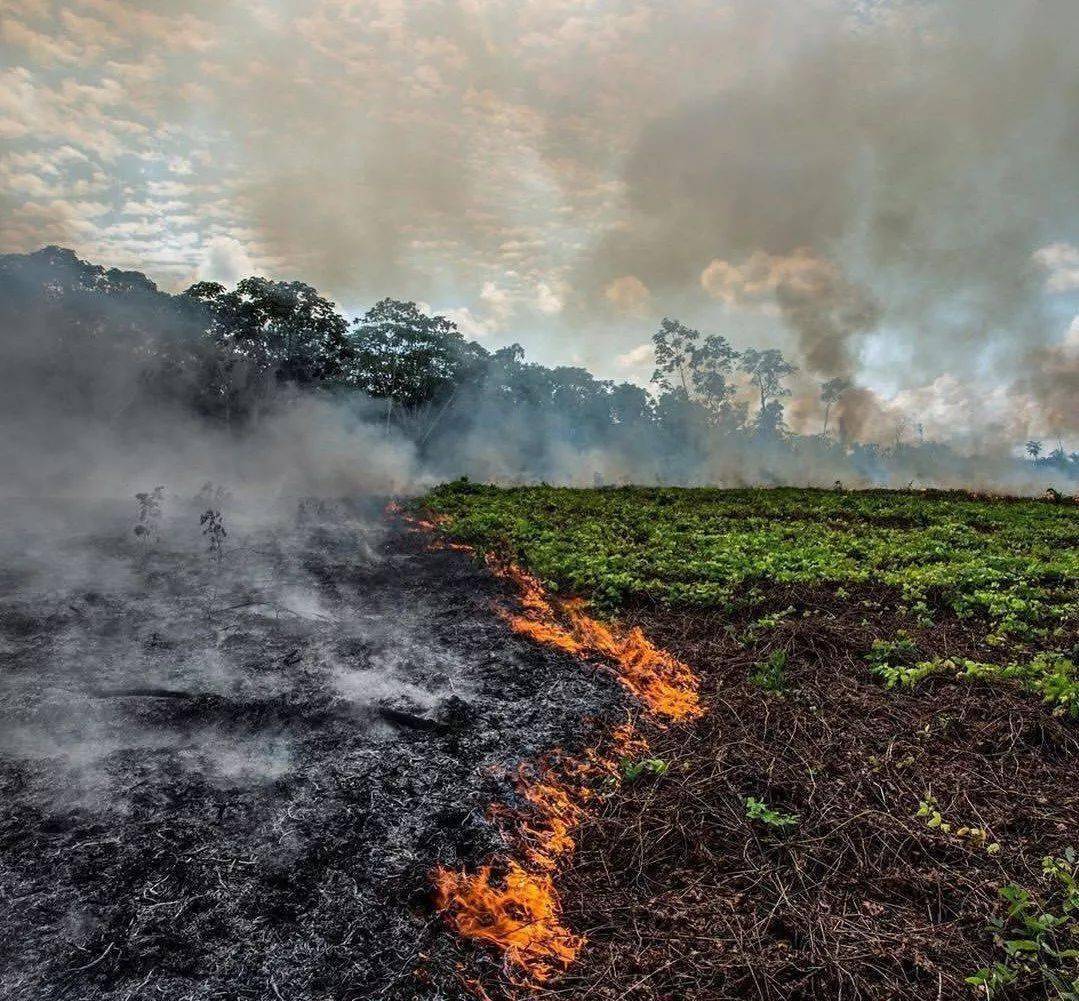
(682, 896)
(233, 779)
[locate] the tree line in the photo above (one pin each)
(230, 355)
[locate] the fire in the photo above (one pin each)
(520, 911)
(521, 917)
(664, 684)
(521, 914)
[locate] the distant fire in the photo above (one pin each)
(519, 911)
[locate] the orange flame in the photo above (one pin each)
(520, 912)
(664, 684)
(521, 917)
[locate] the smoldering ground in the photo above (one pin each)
(232, 775)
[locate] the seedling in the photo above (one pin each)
(214, 530)
(633, 770)
(770, 674)
(976, 837)
(758, 810)
(149, 504)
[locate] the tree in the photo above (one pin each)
(1034, 449)
(674, 343)
(92, 340)
(281, 328)
(769, 420)
(711, 364)
(703, 364)
(631, 406)
(410, 359)
(900, 430)
(766, 370)
(830, 392)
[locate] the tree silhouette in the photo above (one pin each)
(766, 370)
(830, 392)
(408, 358)
(702, 364)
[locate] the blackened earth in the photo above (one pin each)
(232, 778)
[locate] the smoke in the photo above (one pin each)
(924, 152)
(826, 311)
(1050, 375)
(104, 369)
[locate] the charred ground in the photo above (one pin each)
(897, 814)
(233, 778)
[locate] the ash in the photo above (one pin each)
(231, 775)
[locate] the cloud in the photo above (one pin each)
(547, 301)
(628, 294)
(1061, 260)
(634, 358)
(225, 260)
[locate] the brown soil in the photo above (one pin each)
(681, 896)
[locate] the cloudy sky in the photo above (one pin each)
(889, 191)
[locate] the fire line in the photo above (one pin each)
(514, 905)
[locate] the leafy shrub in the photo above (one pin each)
(1013, 564)
(1051, 675)
(214, 530)
(633, 770)
(770, 674)
(1039, 936)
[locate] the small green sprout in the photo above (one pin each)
(758, 810)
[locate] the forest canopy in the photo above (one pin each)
(107, 345)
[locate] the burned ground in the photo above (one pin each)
(233, 779)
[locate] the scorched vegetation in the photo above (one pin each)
(878, 797)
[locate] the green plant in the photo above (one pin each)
(1039, 935)
(771, 673)
(633, 770)
(1051, 675)
(758, 810)
(765, 623)
(1013, 565)
(975, 837)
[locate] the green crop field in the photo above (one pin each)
(880, 798)
(1014, 564)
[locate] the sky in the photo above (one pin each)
(887, 191)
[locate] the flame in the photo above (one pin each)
(520, 910)
(521, 916)
(664, 684)
(521, 913)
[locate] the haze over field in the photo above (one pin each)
(886, 191)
